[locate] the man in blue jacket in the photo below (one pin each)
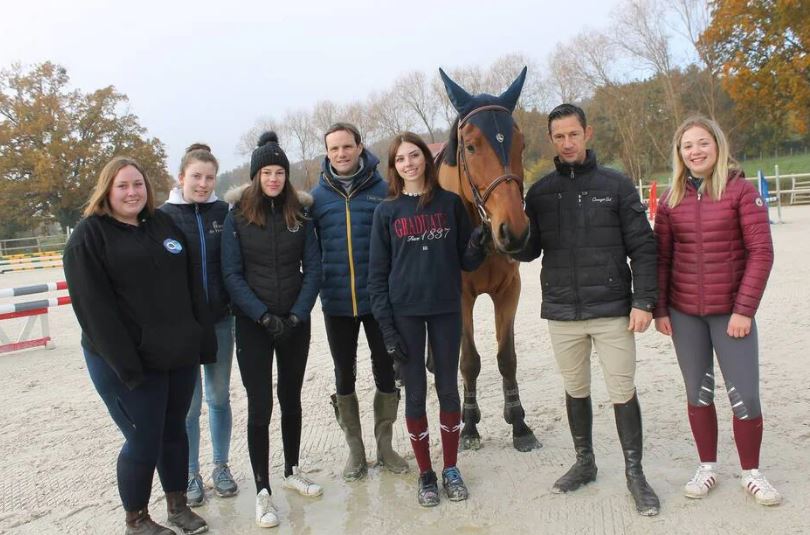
(349, 190)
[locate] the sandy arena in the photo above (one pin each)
(59, 445)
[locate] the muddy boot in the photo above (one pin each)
(628, 424)
(182, 516)
(347, 413)
(580, 421)
(140, 523)
(385, 414)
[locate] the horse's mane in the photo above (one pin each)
(451, 149)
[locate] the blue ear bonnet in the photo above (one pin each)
(495, 125)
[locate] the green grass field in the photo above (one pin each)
(798, 163)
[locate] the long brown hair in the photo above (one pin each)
(99, 203)
(253, 203)
(713, 185)
(396, 183)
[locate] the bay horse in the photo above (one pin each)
(483, 163)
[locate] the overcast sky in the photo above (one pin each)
(206, 71)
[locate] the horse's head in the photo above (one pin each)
(489, 155)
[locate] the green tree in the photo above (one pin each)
(54, 142)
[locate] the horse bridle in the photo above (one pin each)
(480, 199)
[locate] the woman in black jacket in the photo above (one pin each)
(195, 209)
(272, 269)
(145, 330)
(420, 243)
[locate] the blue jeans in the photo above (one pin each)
(150, 416)
(217, 395)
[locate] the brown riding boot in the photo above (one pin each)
(385, 414)
(182, 516)
(140, 523)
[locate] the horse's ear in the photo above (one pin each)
(510, 97)
(458, 97)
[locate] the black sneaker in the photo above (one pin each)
(453, 484)
(428, 493)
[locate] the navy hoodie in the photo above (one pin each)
(417, 255)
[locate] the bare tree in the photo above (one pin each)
(693, 18)
(306, 140)
(641, 32)
(247, 142)
(325, 113)
(415, 92)
(565, 81)
(504, 71)
(388, 115)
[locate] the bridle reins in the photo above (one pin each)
(480, 199)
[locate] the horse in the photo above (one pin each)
(483, 163)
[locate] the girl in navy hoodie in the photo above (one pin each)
(420, 242)
(195, 209)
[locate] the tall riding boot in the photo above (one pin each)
(182, 516)
(628, 424)
(385, 414)
(580, 421)
(347, 412)
(140, 523)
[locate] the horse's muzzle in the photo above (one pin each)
(507, 243)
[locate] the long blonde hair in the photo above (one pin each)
(713, 185)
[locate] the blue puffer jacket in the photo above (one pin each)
(343, 223)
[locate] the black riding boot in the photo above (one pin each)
(580, 421)
(628, 424)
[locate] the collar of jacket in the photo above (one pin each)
(365, 178)
(568, 169)
(176, 197)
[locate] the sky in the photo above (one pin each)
(207, 71)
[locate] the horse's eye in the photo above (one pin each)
(470, 148)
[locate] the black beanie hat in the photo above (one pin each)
(268, 152)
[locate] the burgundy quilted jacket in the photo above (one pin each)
(714, 257)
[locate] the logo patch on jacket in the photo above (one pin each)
(173, 246)
(606, 198)
(758, 201)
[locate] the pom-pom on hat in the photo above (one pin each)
(268, 152)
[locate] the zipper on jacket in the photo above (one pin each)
(700, 256)
(351, 256)
(203, 252)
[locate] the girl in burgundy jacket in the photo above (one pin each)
(714, 257)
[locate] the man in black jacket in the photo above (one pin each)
(587, 220)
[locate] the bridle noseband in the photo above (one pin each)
(480, 199)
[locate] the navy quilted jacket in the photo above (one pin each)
(343, 223)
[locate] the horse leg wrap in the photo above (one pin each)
(512, 408)
(471, 413)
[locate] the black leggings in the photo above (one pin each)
(152, 418)
(696, 339)
(342, 333)
(254, 352)
(444, 333)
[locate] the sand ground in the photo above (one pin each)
(59, 446)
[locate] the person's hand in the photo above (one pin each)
(639, 320)
(739, 326)
(394, 345)
(481, 236)
(664, 325)
(274, 325)
(290, 323)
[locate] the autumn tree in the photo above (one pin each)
(54, 142)
(764, 49)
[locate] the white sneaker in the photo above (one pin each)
(701, 483)
(756, 485)
(266, 513)
(297, 481)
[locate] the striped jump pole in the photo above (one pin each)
(32, 310)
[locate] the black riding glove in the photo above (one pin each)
(291, 322)
(481, 236)
(274, 325)
(393, 343)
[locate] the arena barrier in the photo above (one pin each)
(27, 263)
(34, 311)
